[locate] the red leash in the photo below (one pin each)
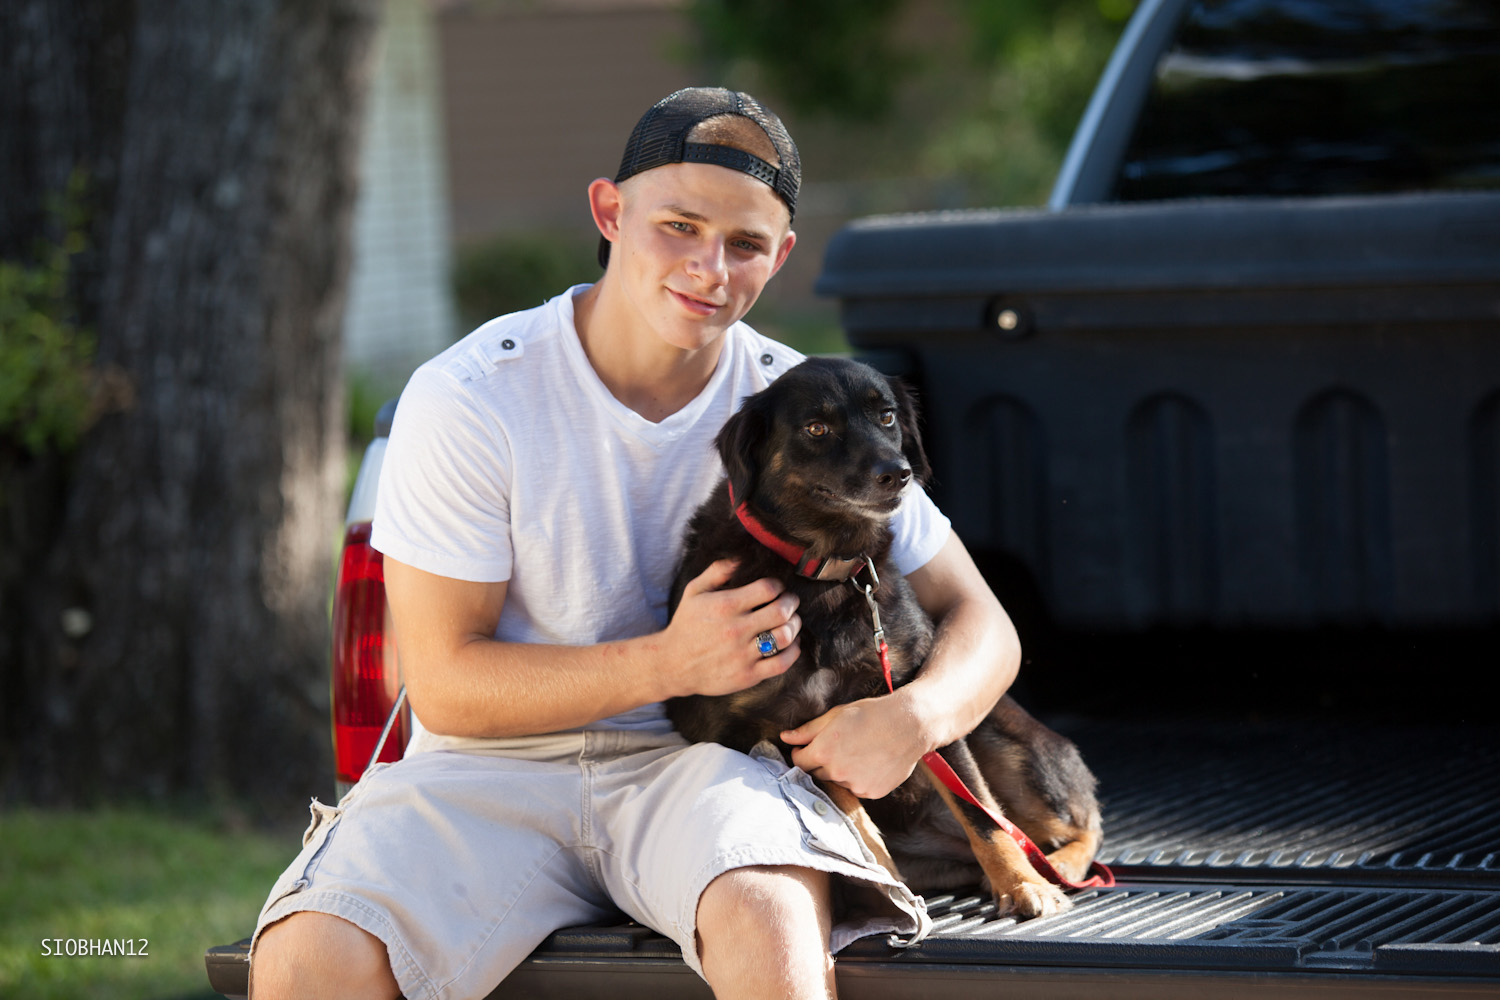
(1100, 876)
(847, 568)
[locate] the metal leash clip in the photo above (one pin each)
(869, 591)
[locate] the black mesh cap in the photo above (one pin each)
(660, 138)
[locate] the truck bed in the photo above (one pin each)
(1309, 858)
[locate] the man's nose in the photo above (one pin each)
(710, 262)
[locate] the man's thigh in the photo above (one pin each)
(460, 864)
(667, 824)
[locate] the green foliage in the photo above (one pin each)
(977, 95)
(1053, 48)
(1036, 63)
(833, 57)
(364, 395)
(514, 272)
(183, 882)
(46, 377)
(813, 330)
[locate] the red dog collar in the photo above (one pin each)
(835, 569)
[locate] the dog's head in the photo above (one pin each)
(830, 440)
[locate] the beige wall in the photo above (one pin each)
(539, 100)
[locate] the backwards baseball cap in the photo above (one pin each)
(661, 137)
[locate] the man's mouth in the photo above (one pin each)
(696, 305)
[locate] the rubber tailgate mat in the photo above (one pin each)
(1275, 847)
(1281, 929)
(1350, 804)
(1272, 928)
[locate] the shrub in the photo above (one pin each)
(48, 386)
(46, 359)
(514, 272)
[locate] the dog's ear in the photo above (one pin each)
(739, 443)
(911, 436)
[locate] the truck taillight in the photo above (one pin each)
(365, 681)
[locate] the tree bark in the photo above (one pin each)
(192, 533)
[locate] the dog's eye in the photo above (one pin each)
(817, 428)
(887, 418)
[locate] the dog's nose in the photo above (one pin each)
(893, 474)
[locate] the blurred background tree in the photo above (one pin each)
(977, 96)
(171, 434)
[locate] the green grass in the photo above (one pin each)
(182, 882)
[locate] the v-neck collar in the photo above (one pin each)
(661, 432)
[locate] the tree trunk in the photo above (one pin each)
(164, 602)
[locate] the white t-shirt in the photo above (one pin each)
(509, 460)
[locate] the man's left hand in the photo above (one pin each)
(869, 746)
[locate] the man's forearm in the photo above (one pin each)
(870, 746)
(974, 660)
(464, 682)
(975, 655)
(498, 689)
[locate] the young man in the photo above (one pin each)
(539, 475)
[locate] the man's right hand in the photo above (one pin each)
(712, 638)
(464, 682)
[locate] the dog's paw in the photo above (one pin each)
(1073, 860)
(1032, 899)
(1068, 867)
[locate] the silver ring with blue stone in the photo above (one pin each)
(766, 644)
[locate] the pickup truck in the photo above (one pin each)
(1222, 426)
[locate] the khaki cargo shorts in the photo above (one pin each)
(463, 862)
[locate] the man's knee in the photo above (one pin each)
(763, 932)
(744, 904)
(315, 954)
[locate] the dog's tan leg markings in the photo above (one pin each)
(1073, 845)
(868, 831)
(1064, 821)
(1072, 860)
(1015, 884)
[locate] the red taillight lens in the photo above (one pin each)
(365, 683)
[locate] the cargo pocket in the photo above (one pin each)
(825, 828)
(322, 816)
(869, 903)
(824, 825)
(298, 875)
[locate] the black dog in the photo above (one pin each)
(816, 464)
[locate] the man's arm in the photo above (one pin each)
(871, 746)
(462, 682)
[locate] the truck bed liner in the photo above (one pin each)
(1300, 857)
(1354, 803)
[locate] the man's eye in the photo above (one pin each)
(887, 417)
(681, 227)
(817, 429)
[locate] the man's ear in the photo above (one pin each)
(783, 251)
(607, 207)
